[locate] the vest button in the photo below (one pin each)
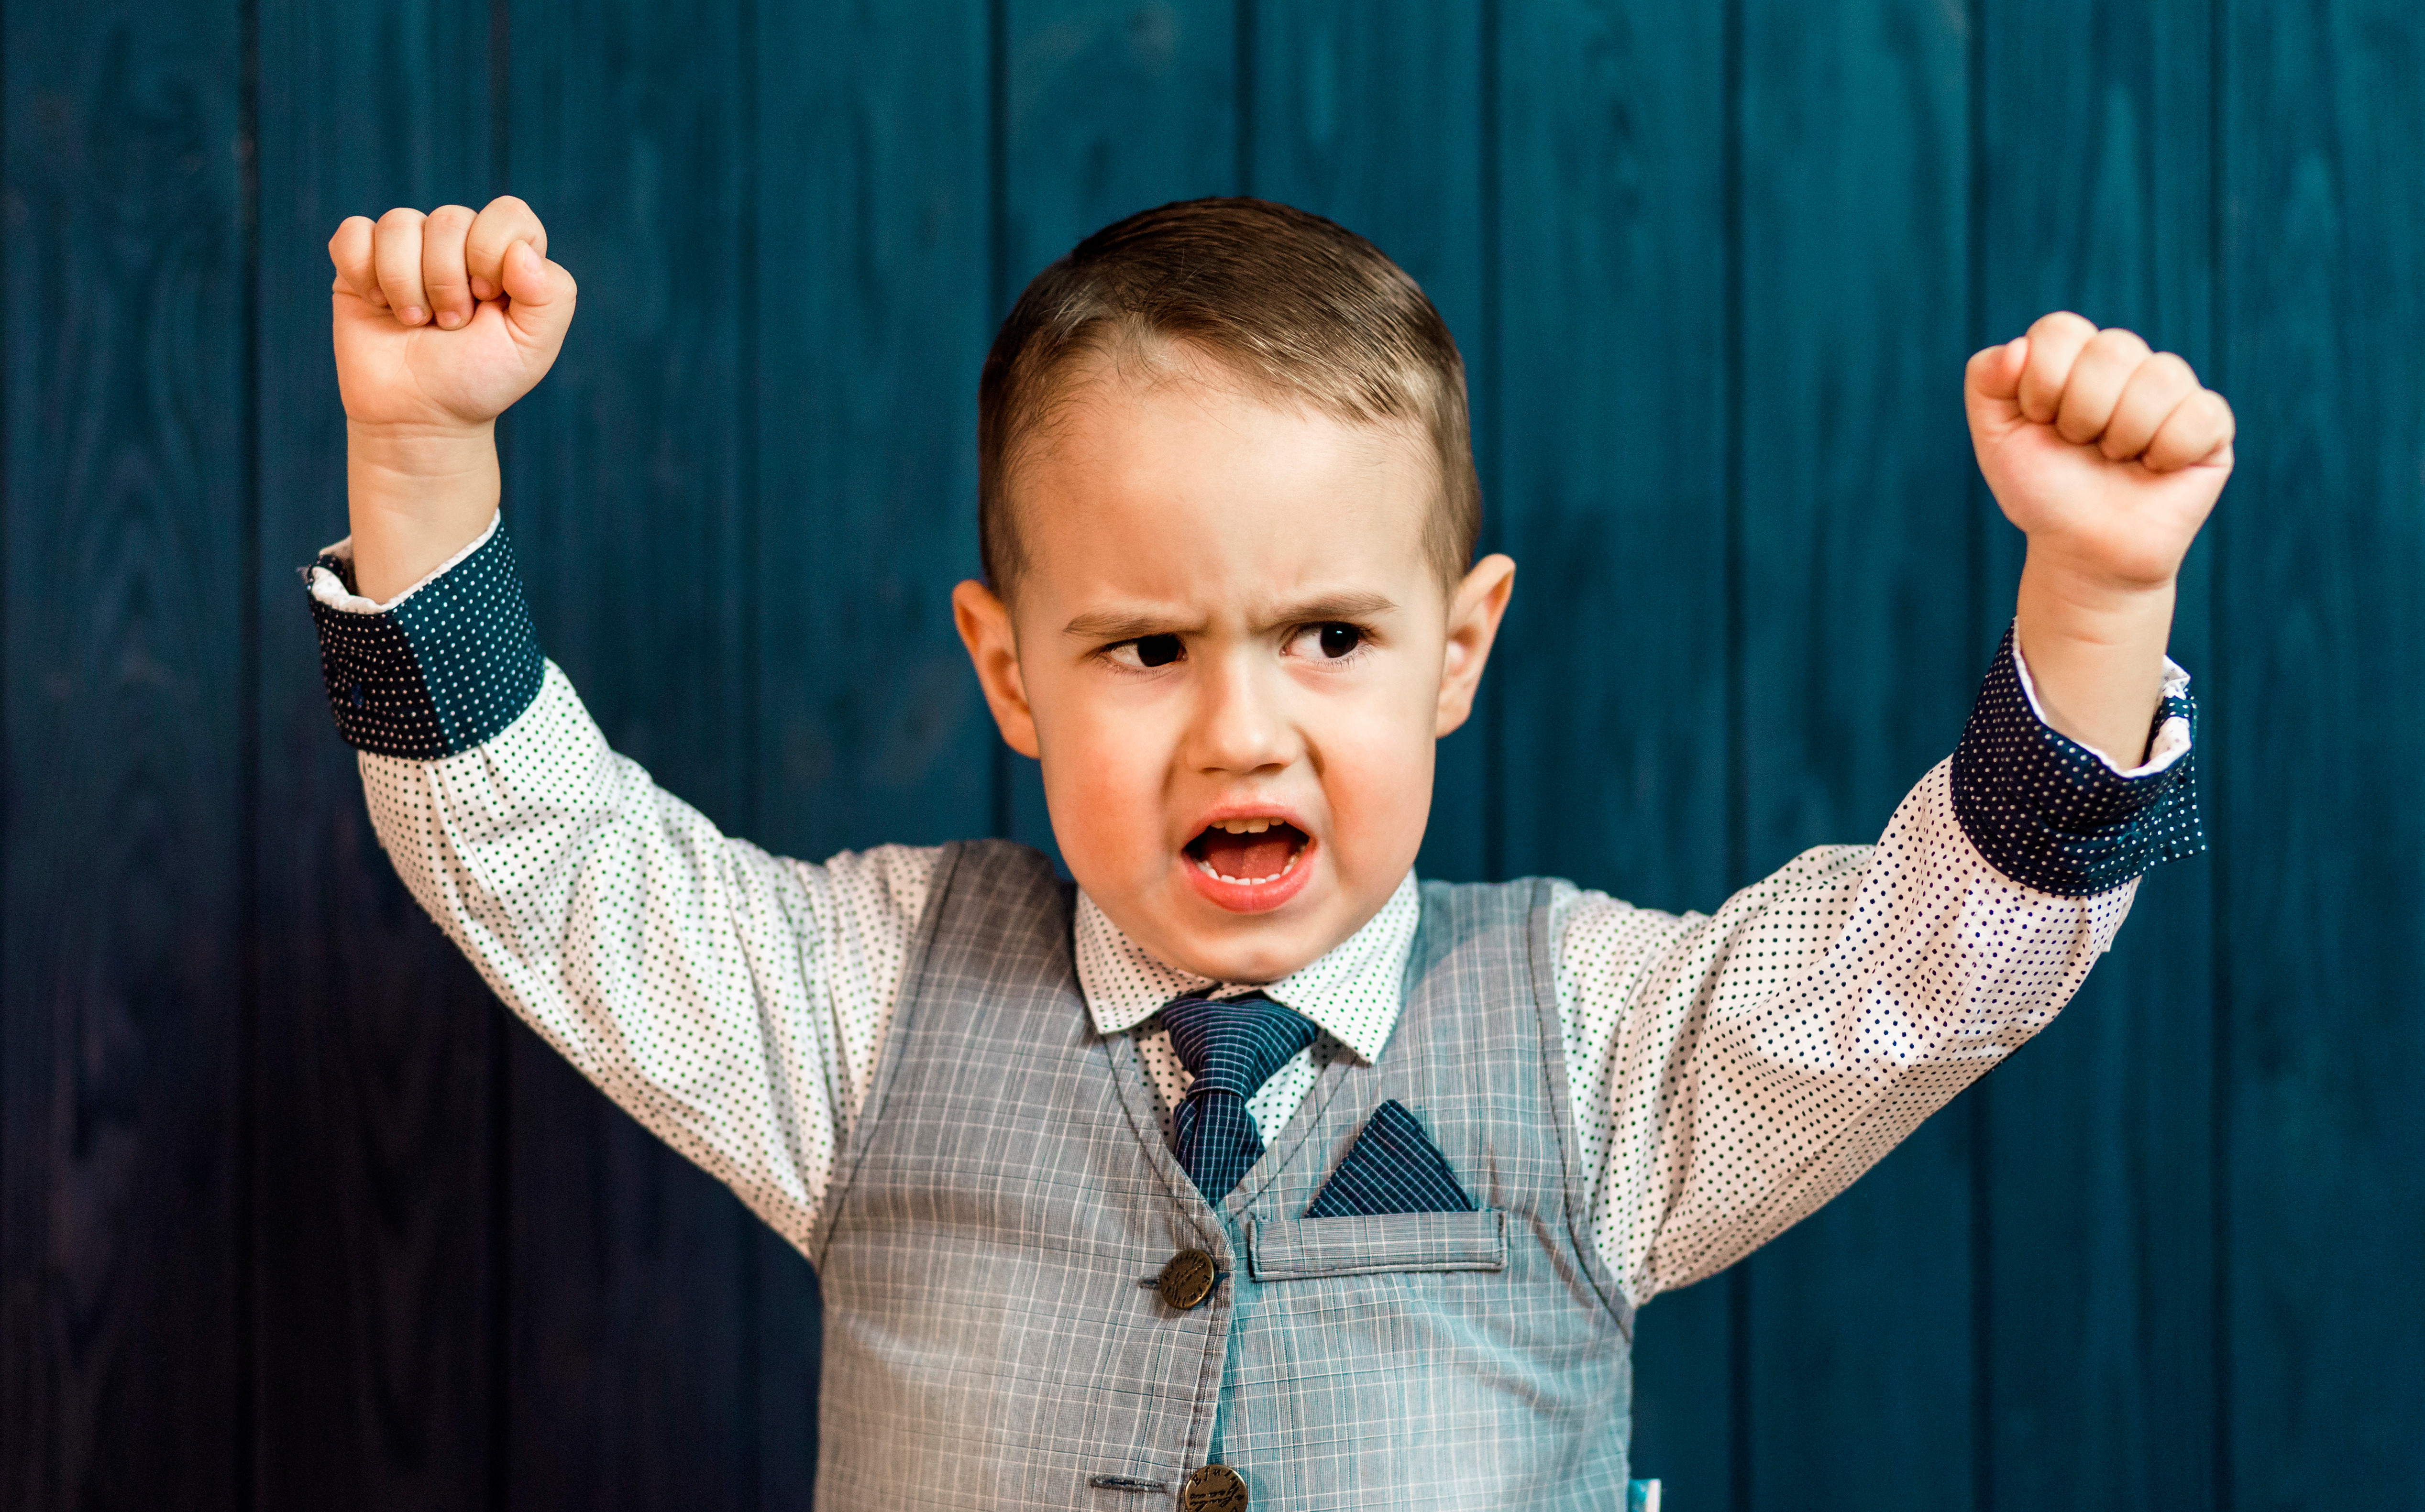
(1187, 1280)
(1213, 1488)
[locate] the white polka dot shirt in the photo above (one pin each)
(1731, 1072)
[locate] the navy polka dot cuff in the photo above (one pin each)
(2048, 813)
(445, 670)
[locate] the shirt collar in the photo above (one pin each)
(1351, 993)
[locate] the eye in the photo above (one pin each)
(1152, 650)
(1157, 650)
(1331, 642)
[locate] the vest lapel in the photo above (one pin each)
(1127, 1071)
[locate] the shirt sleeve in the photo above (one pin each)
(1734, 1071)
(730, 1000)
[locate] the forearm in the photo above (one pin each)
(722, 996)
(1750, 1065)
(1942, 968)
(1772, 1052)
(415, 495)
(677, 969)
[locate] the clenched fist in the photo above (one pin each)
(445, 319)
(441, 323)
(2109, 457)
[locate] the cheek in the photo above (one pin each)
(1377, 780)
(1104, 772)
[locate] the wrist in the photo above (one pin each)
(416, 496)
(2095, 653)
(2060, 600)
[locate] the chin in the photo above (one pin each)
(1253, 948)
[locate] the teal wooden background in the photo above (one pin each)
(291, 1216)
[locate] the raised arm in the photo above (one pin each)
(1733, 1072)
(730, 1000)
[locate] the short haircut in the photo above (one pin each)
(1299, 307)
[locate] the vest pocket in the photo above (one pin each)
(1300, 1248)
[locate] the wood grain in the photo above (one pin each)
(871, 269)
(628, 487)
(128, 507)
(379, 1046)
(1857, 674)
(2320, 548)
(2098, 1361)
(1614, 437)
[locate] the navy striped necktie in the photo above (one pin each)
(1230, 1047)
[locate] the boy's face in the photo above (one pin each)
(1232, 657)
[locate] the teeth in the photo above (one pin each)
(1246, 826)
(1206, 868)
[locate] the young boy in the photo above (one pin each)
(1246, 1168)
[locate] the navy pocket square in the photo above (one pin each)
(1394, 1167)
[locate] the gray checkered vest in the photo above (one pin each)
(1007, 1188)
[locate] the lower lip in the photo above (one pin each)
(1251, 897)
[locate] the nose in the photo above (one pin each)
(1242, 721)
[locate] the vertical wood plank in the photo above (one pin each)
(1614, 445)
(1857, 673)
(872, 270)
(2100, 1381)
(2322, 925)
(1371, 113)
(872, 278)
(1611, 499)
(128, 519)
(627, 479)
(1111, 106)
(373, 1228)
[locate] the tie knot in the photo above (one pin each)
(1235, 1045)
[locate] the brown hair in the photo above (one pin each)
(1292, 304)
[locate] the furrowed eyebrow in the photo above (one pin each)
(1112, 625)
(1341, 607)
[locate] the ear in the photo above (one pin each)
(984, 621)
(1473, 613)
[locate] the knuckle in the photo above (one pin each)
(2063, 322)
(451, 217)
(2114, 342)
(401, 218)
(2172, 367)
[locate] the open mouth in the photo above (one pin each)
(1247, 852)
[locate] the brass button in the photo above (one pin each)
(1186, 1280)
(1213, 1488)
